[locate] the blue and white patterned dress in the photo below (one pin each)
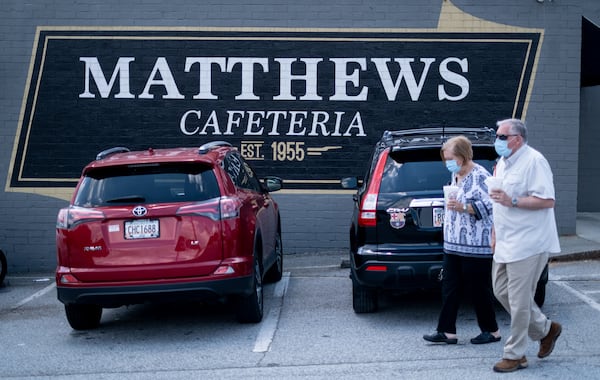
(468, 234)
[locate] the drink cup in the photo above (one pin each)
(450, 192)
(493, 183)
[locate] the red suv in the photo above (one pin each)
(167, 223)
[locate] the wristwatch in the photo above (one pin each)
(514, 202)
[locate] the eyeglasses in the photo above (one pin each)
(504, 137)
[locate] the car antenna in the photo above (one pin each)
(444, 131)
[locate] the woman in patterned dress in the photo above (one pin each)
(467, 248)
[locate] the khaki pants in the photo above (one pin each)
(514, 286)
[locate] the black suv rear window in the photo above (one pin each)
(153, 183)
(413, 176)
(420, 170)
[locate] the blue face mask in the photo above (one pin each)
(502, 148)
(452, 166)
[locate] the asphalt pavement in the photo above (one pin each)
(298, 339)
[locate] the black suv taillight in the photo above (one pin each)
(367, 216)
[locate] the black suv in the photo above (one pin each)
(396, 238)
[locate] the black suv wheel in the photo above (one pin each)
(540, 291)
(3, 267)
(364, 300)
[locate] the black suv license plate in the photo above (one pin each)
(438, 216)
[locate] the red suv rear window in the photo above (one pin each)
(152, 183)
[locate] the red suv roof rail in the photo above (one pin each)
(205, 148)
(111, 151)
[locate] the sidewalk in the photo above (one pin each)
(585, 244)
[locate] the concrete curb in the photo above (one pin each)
(578, 256)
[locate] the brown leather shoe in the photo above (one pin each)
(547, 343)
(510, 365)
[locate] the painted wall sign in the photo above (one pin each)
(304, 105)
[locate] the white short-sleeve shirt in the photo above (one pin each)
(522, 233)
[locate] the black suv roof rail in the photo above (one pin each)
(205, 148)
(437, 136)
(111, 151)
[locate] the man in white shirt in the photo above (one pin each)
(524, 235)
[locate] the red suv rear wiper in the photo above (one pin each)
(128, 198)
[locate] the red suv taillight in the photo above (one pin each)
(230, 207)
(367, 216)
(217, 209)
(70, 217)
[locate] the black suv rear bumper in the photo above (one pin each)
(115, 296)
(397, 270)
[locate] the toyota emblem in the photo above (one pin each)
(139, 211)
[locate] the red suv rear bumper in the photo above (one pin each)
(114, 296)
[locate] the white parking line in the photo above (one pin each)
(317, 267)
(269, 324)
(35, 295)
(591, 302)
